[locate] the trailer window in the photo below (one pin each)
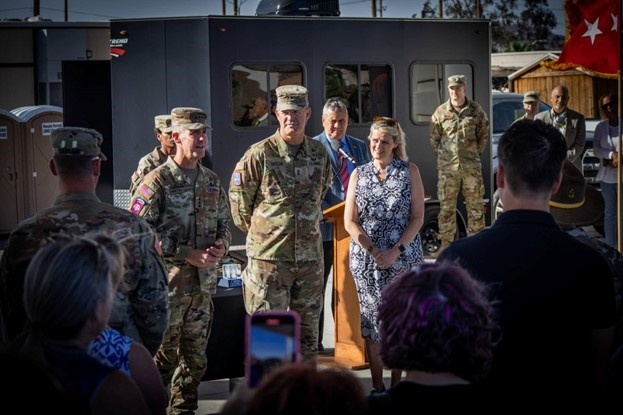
(253, 91)
(429, 87)
(367, 88)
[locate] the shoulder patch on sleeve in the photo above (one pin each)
(137, 205)
(145, 191)
(237, 178)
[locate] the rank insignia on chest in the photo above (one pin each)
(237, 179)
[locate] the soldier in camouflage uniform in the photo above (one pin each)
(458, 134)
(276, 192)
(160, 154)
(186, 204)
(140, 309)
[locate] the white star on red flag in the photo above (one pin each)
(589, 47)
(593, 30)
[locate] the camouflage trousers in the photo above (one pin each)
(273, 285)
(182, 359)
(470, 182)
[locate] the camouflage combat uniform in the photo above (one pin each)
(146, 164)
(276, 199)
(458, 139)
(140, 309)
(186, 215)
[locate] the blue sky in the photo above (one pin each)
(104, 10)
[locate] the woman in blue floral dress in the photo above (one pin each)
(383, 214)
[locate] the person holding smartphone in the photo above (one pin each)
(273, 340)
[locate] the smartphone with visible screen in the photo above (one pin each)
(273, 339)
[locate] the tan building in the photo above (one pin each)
(584, 89)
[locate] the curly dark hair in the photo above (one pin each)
(436, 318)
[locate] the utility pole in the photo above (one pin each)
(235, 7)
(224, 7)
(373, 3)
(440, 4)
(36, 8)
(66, 10)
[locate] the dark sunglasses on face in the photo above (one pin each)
(608, 105)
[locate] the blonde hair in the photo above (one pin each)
(63, 283)
(392, 127)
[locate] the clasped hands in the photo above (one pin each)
(206, 258)
(615, 159)
(385, 259)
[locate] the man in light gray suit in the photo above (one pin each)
(570, 123)
(345, 152)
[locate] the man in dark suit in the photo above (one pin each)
(340, 147)
(570, 123)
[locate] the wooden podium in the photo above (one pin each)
(349, 345)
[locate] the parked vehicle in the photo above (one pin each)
(590, 162)
(509, 106)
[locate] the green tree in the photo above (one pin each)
(527, 29)
(503, 18)
(466, 9)
(428, 11)
(514, 46)
(536, 24)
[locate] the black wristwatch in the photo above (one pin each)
(402, 248)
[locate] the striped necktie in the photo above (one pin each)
(343, 171)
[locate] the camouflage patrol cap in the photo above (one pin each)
(76, 141)
(189, 118)
(291, 97)
(457, 80)
(163, 123)
(531, 96)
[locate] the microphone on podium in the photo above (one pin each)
(337, 146)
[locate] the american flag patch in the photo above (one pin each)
(145, 191)
(237, 179)
(137, 205)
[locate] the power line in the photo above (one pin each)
(17, 8)
(82, 13)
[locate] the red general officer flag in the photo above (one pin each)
(593, 42)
